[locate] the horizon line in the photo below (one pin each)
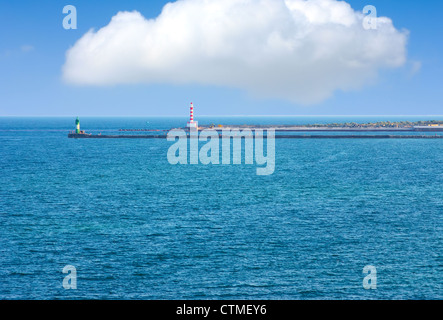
(241, 115)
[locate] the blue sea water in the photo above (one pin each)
(137, 227)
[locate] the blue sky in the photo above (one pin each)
(33, 46)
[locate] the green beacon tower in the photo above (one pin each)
(77, 126)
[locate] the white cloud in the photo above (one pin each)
(292, 49)
(415, 67)
(27, 48)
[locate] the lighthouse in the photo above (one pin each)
(77, 126)
(192, 125)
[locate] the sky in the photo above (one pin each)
(236, 57)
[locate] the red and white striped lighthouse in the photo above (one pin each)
(192, 124)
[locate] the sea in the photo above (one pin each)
(134, 226)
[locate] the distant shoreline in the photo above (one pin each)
(164, 136)
(381, 126)
(348, 126)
